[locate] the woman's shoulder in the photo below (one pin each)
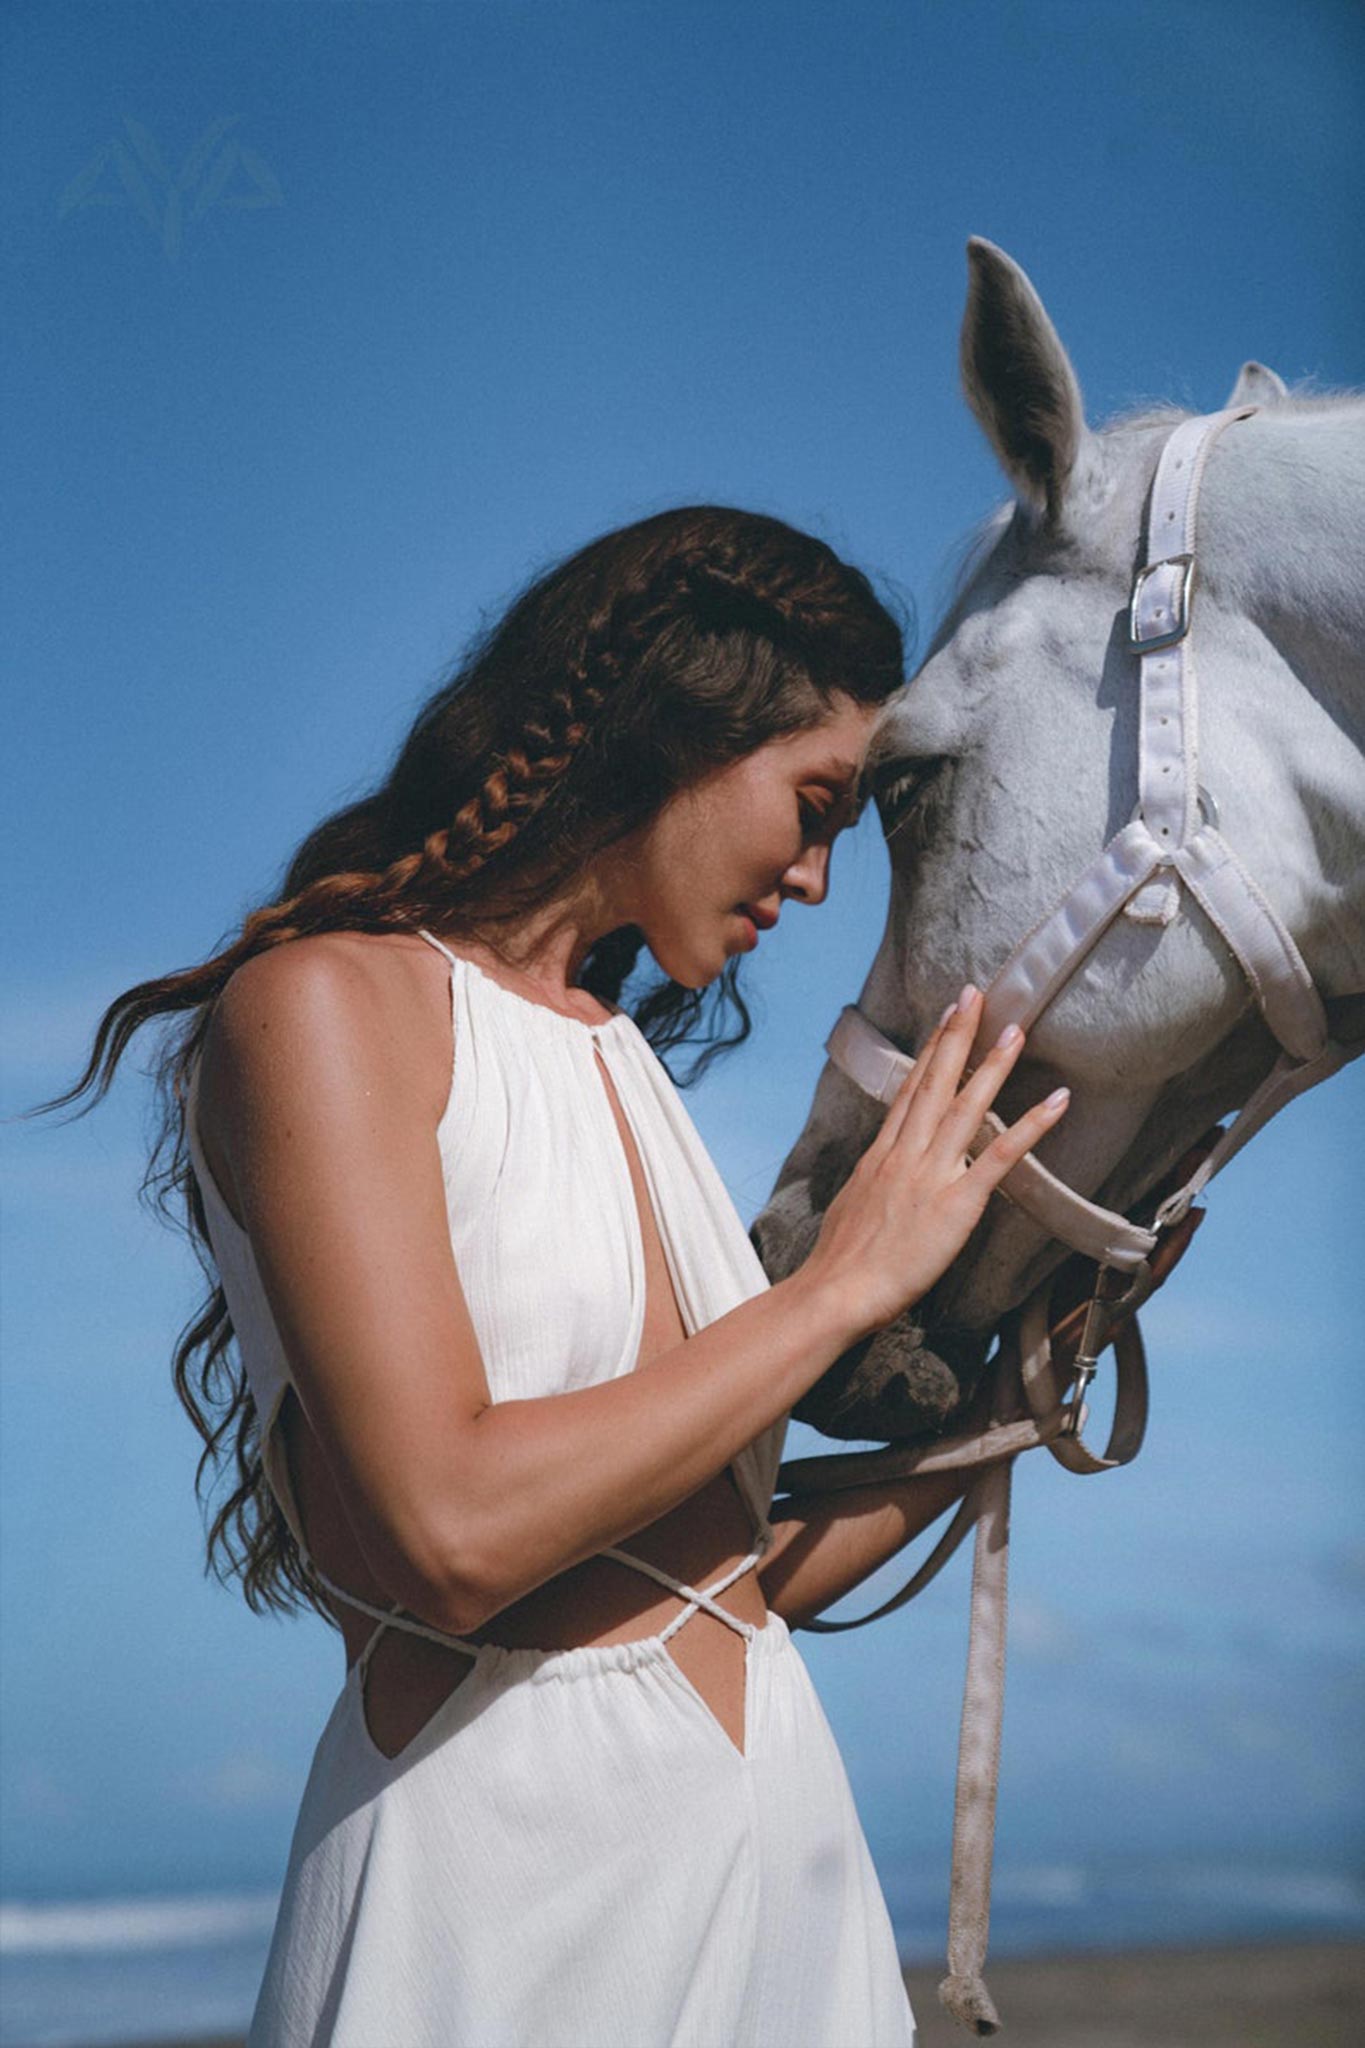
(332, 1014)
(352, 976)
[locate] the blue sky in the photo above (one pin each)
(456, 288)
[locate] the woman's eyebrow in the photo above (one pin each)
(848, 778)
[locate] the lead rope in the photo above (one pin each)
(963, 1991)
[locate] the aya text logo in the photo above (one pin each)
(219, 170)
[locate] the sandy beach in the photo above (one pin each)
(1285, 1995)
(1309, 1995)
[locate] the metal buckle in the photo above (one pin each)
(1115, 1292)
(1152, 643)
(1208, 810)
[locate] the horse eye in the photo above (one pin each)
(900, 785)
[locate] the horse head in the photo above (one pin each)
(1012, 759)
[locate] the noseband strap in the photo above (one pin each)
(870, 1060)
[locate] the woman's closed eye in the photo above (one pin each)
(814, 816)
(829, 814)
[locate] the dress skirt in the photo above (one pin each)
(572, 1853)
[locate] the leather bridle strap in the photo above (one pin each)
(1287, 1079)
(1045, 1388)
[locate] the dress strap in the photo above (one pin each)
(368, 1648)
(390, 1617)
(423, 933)
(699, 1596)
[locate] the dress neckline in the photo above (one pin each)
(526, 1002)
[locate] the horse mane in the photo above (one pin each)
(1304, 397)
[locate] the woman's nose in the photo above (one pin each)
(807, 878)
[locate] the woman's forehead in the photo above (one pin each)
(841, 739)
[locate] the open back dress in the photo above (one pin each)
(572, 1852)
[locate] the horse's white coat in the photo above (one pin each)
(1027, 703)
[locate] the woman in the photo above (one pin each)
(513, 1384)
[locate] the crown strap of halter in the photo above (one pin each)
(1171, 841)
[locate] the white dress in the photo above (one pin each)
(572, 1853)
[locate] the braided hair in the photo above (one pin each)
(656, 653)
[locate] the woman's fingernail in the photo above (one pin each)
(1009, 1038)
(1058, 1099)
(946, 1015)
(968, 996)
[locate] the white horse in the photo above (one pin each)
(1164, 882)
(1011, 759)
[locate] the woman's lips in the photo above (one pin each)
(754, 922)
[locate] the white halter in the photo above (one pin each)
(1172, 838)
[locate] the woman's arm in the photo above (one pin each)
(462, 1506)
(826, 1544)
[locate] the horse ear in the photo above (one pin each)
(1018, 378)
(1256, 385)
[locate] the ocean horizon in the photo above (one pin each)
(89, 1972)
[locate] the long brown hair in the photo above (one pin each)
(654, 654)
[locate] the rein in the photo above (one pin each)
(1172, 842)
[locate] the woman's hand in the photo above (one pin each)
(913, 1199)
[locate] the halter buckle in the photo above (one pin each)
(1115, 1294)
(1181, 590)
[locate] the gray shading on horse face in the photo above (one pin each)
(1011, 759)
